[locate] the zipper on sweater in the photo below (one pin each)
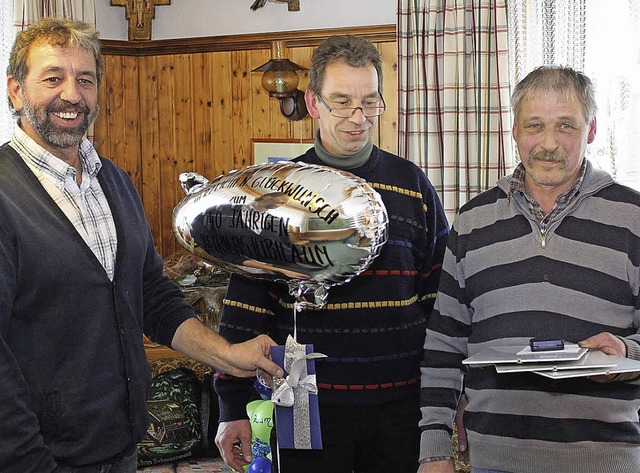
(543, 237)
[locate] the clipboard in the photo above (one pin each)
(518, 355)
(592, 360)
(622, 365)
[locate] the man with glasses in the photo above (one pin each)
(370, 327)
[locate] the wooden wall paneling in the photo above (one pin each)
(280, 126)
(151, 181)
(183, 124)
(221, 160)
(168, 186)
(270, 123)
(128, 151)
(102, 139)
(182, 103)
(388, 123)
(261, 106)
(302, 129)
(117, 129)
(202, 131)
(241, 105)
(183, 109)
(302, 57)
(119, 116)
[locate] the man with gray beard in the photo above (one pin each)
(80, 280)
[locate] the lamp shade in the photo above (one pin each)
(280, 77)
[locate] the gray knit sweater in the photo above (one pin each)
(501, 285)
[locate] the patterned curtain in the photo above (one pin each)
(600, 38)
(27, 12)
(453, 104)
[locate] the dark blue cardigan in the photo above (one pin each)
(73, 372)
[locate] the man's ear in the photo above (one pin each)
(14, 89)
(312, 104)
(593, 126)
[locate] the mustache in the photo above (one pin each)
(553, 156)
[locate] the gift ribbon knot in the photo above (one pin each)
(297, 380)
(284, 395)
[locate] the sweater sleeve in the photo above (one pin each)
(246, 313)
(445, 348)
(437, 230)
(632, 342)
(165, 308)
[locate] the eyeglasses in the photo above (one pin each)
(368, 111)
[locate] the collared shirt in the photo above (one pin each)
(85, 206)
(562, 202)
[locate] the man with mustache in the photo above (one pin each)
(80, 280)
(553, 251)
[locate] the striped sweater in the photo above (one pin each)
(372, 328)
(502, 283)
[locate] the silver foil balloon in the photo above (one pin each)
(308, 226)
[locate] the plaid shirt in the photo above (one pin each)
(517, 184)
(85, 206)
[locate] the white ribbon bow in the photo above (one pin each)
(295, 365)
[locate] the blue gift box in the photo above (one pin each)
(298, 426)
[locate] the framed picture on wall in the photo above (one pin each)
(273, 150)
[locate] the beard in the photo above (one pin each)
(60, 137)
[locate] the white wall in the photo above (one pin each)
(193, 18)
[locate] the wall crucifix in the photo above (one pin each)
(140, 13)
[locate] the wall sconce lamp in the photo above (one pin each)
(280, 79)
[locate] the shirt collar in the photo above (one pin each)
(516, 183)
(40, 158)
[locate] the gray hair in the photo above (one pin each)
(564, 80)
(353, 50)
